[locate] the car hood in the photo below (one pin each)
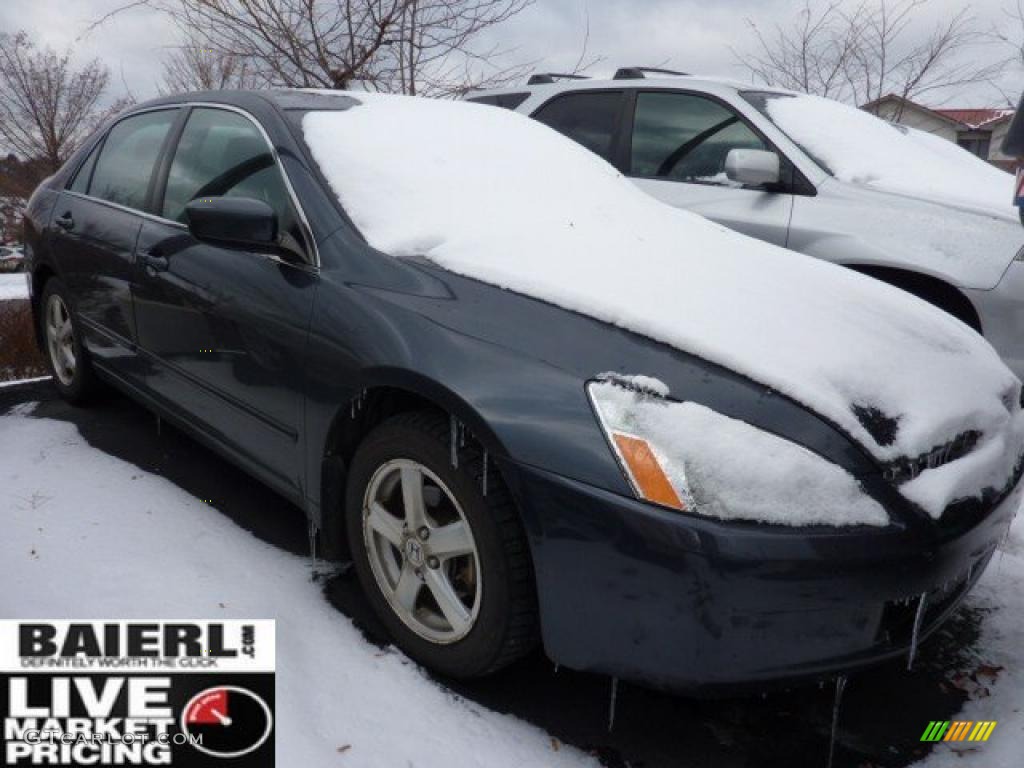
(970, 246)
(546, 218)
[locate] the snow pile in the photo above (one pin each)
(727, 469)
(860, 148)
(89, 536)
(1000, 593)
(13, 286)
(498, 197)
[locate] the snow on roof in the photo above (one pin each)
(495, 196)
(975, 118)
(859, 148)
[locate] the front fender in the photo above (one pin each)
(846, 224)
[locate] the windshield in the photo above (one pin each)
(760, 100)
(859, 148)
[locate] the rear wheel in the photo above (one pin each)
(66, 355)
(445, 567)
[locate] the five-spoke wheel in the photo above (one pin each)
(441, 555)
(60, 339)
(421, 550)
(67, 358)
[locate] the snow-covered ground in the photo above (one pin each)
(1000, 658)
(86, 535)
(13, 286)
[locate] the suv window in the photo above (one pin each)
(685, 137)
(126, 161)
(589, 117)
(223, 154)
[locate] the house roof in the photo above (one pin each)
(976, 118)
(970, 119)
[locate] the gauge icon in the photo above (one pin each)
(227, 721)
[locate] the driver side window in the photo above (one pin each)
(222, 154)
(683, 137)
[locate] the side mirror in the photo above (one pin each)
(753, 167)
(232, 221)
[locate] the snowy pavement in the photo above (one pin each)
(13, 286)
(178, 534)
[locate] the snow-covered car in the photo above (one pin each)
(11, 258)
(810, 174)
(530, 402)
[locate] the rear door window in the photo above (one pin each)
(81, 182)
(686, 137)
(126, 161)
(588, 117)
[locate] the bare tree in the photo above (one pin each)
(1010, 35)
(1011, 31)
(862, 53)
(195, 68)
(810, 55)
(47, 107)
(407, 46)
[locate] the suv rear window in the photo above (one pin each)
(590, 118)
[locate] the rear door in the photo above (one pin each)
(678, 143)
(95, 225)
(225, 327)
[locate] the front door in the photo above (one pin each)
(679, 145)
(224, 327)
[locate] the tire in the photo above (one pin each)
(494, 583)
(73, 375)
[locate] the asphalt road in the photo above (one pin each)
(882, 715)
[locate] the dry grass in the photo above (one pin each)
(19, 357)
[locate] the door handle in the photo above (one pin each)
(66, 221)
(154, 262)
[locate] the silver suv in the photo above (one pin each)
(710, 146)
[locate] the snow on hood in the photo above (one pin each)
(859, 148)
(495, 196)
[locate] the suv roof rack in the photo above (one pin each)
(638, 73)
(546, 78)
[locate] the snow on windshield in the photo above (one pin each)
(495, 196)
(860, 148)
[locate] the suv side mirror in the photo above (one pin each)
(753, 167)
(232, 221)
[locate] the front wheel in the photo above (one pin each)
(65, 353)
(445, 567)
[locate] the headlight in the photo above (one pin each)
(687, 457)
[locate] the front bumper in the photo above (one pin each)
(688, 603)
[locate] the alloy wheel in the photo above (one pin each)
(60, 339)
(421, 551)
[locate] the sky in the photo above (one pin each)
(697, 36)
